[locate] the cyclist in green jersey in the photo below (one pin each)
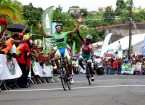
(61, 43)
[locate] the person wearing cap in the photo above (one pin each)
(61, 42)
(87, 52)
(24, 61)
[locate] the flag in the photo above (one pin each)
(74, 48)
(0, 28)
(47, 17)
(143, 48)
(144, 42)
(31, 30)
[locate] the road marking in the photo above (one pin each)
(110, 80)
(75, 88)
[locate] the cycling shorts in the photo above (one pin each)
(62, 52)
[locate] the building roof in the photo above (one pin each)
(139, 25)
(76, 8)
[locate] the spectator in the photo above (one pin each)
(115, 66)
(24, 62)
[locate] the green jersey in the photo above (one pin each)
(60, 39)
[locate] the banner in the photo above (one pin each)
(143, 49)
(105, 43)
(9, 69)
(46, 71)
(47, 18)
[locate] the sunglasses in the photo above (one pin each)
(88, 40)
(58, 27)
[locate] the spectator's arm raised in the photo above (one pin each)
(19, 41)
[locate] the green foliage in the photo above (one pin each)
(11, 10)
(120, 5)
(139, 16)
(109, 15)
(32, 15)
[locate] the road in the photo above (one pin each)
(105, 90)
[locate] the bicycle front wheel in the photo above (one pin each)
(64, 83)
(69, 84)
(88, 75)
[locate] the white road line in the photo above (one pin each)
(111, 80)
(75, 88)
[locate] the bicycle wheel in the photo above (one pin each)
(88, 74)
(63, 78)
(68, 78)
(68, 84)
(64, 84)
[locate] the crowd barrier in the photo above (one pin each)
(131, 69)
(45, 71)
(10, 70)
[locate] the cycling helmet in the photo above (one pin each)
(88, 37)
(59, 26)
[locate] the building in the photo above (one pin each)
(120, 33)
(122, 30)
(102, 9)
(75, 10)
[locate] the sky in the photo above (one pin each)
(91, 5)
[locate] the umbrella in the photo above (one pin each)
(109, 55)
(17, 28)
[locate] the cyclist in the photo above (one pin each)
(87, 52)
(61, 43)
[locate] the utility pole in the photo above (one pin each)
(130, 27)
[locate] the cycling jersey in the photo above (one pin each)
(86, 48)
(60, 39)
(61, 43)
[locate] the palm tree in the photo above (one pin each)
(11, 9)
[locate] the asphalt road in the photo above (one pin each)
(105, 90)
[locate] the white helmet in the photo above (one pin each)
(89, 37)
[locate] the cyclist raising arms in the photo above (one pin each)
(87, 52)
(61, 43)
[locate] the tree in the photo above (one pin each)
(84, 12)
(11, 9)
(57, 14)
(32, 15)
(109, 15)
(120, 5)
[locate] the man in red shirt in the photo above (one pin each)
(24, 62)
(115, 66)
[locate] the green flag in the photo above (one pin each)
(74, 48)
(47, 17)
(0, 28)
(31, 30)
